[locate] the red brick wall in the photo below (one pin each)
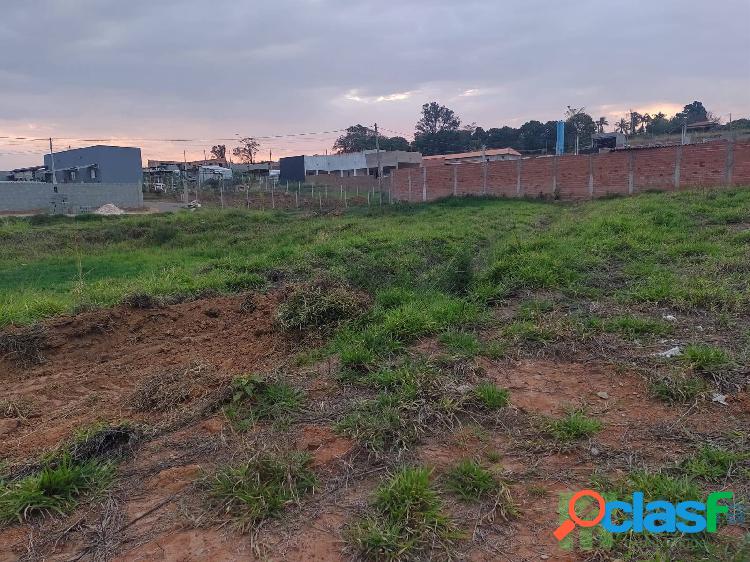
(582, 177)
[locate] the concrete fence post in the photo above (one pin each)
(677, 164)
(424, 184)
(554, 177)
(591, 176)
(729, 164)
(455, 179)
(631, 172)
(484, 176)
(518, 178)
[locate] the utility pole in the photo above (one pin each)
(185, 193)
(52, 161)
(380, 164)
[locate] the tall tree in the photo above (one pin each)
(247, 150)
(692, 113)
(622, 126)
(437, 131)
(356, 139)
(219, 151)
(578, 124)
(436, 118)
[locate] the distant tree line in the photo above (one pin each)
(439, 131)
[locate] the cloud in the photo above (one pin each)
(205, 71)
(354, 95)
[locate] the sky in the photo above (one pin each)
(181, 75)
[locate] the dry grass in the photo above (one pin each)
(166, 391)
(24, 346)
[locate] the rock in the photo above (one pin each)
(603, 395)
(719, 398)
(674, 352)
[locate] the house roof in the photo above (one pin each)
(475, 154)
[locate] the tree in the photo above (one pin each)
(692, 113)
(578, 124)
(356, 139)
(437, 131)
(247, 150)
(658, 125)
(219, 151)
(601, 123)
(435, 119)
(622, 126)
(531, 136)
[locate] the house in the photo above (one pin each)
(603, 142)
(84, 180)
(97, 164)
(489, 155)
(365, 163)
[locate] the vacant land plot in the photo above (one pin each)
(403, 383)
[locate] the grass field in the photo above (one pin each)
(474, 356)
(687, 250)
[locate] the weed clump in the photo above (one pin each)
(103, 442)
(142, 301)
(412, 400)
(712, 463)
(678, 388)
(489, 396)
(575, 425)
(255, 399)
(166, 391)
(56, 488)
(706, 358)
(406, 520)
(321, 304)
(24, 346)
(262, 487)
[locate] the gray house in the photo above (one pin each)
(97, 164)
(87, 178)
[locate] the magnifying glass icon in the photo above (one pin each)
(569, 524)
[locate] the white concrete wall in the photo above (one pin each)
(336, 162)
(71, 197)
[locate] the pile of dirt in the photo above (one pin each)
(109, 209)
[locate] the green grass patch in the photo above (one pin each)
(262, 487)
(470, 481)
(632, 327)
(713, 463)
(56, 488)
(705, 358)
(678, 388)
(489, 396)
(462, 344)
(405, 522)
(257, 399)
(575, 425)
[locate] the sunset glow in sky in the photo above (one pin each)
(142, 72)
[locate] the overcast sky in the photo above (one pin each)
(132, 70)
